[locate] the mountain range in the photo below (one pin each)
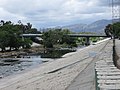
(95, 27)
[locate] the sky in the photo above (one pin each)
(50, 13)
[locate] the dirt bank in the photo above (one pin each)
(18, 53)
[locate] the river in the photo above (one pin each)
(10, 66)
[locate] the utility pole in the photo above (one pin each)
(115, 15)
(115, 18)
(115, 11)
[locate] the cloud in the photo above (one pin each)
(53, 12)
(5, 15)
(108, 2)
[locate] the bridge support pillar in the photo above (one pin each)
(87, 41)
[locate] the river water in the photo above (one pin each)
(10, 66)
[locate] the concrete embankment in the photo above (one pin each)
(86, 79)
(108, 70)
(117, 49)
(72, 72)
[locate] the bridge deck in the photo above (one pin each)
(31, 35)
(71, 35)
(86, 35)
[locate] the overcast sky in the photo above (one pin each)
(47, 13)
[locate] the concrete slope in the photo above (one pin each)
(86, 79)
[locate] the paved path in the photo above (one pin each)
(72, 72)
(86, 79)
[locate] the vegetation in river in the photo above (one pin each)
(56, 37)
(55, 53)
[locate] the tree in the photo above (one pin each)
(70, 41)
(4, 40)
(57, 36)
(108, 30)
(10, 35)
(113, 29)
(48, 39)
(26, 43)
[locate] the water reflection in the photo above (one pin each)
(10, 66)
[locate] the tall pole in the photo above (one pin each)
(115, 16)
(115, 11)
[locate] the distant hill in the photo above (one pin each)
(97, 26)
(76, 27)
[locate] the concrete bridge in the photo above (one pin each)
(31, 35)
(87, 36)
(71, 35)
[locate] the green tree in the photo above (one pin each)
(108, 30)
(113, 29)
(49, 39)
(10, 35)
(4, 40)
(57, 36)
(26, 43)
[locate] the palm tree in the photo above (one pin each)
(108, 30)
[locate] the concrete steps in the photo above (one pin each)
(107, 75)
